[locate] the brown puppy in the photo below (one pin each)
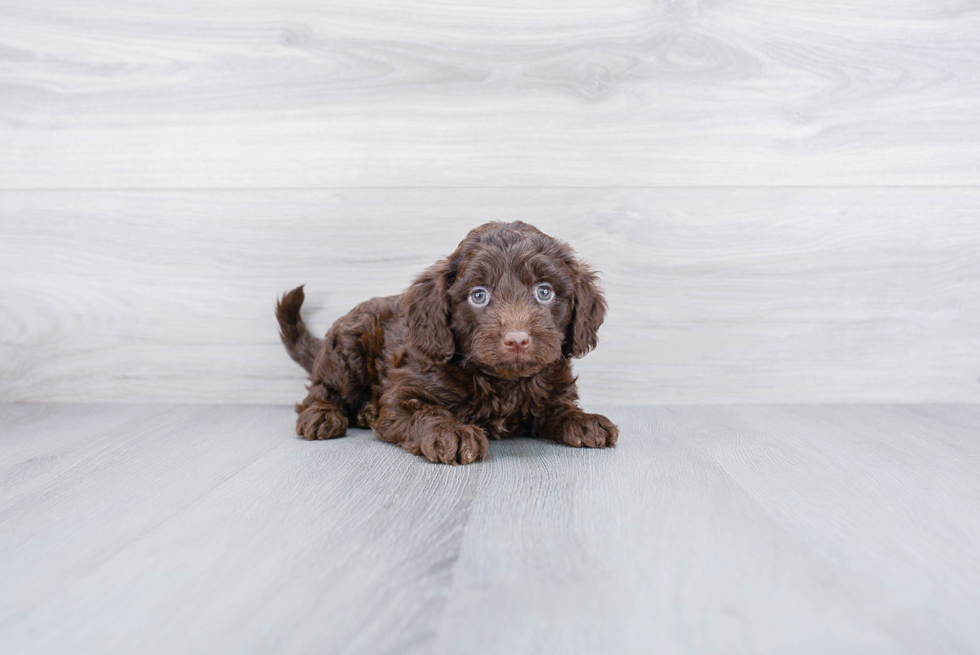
(477, 347)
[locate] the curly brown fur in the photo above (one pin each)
(441, 369)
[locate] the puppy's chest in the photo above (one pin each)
(503, 409)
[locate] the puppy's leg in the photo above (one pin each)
(340, 388)
(567, 423)
(432, 432)
(333, 383)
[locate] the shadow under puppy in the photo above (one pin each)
(477, 347)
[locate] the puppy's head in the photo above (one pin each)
(510, 299)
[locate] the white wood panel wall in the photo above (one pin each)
(782, 196)
(716, 294)
(287, 93)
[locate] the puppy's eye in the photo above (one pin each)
(544, 293)
(479, 297)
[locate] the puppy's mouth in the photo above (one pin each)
(505, 356)
(517, 365)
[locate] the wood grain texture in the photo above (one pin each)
(721, 295)
(287, 93)
(177, 508)
(762, 529)
(40, 442)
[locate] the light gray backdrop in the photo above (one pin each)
(783, 197)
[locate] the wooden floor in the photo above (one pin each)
(212, 529)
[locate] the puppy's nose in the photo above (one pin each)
(517, 342)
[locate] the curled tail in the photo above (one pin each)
(302, 346)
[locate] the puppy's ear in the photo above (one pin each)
(426, 305)
(588, 312)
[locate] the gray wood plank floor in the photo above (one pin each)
(212, 529)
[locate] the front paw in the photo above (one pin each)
(452, 442)
(589, 430)
(321, 420)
